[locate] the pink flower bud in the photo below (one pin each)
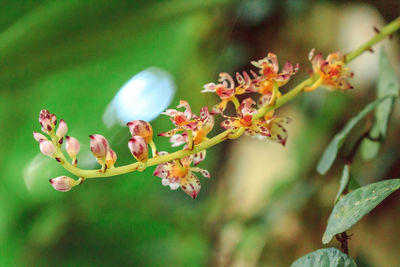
(111, 158)
(39, 136)
(72, 146)
(63, 183)
(99, 146)
(47, 147)
(141, 128)
(47, 120)
(62, 129)
(138, 148)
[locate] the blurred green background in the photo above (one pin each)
(264, 206)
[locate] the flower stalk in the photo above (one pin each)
(195, 128)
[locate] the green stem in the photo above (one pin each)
(235, 101)
(151, 162)
(190, 139)
(386, 31)
(153, 148)
(284, 99)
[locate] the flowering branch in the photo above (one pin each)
(191, 130)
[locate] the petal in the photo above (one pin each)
(230, 123)
(111, 158)
(207, 120)
(39, 136)
(227, 77)
(246, 108)
(239, 78)
(141, 128)
(163, 170)
(264, 99)
(99, 145)
(311, 54)
(204, 172)
(224, 93)
(169, 133)
(188, 112)
(72, 146)
(62, 129)
(261, 129)
(190, 185)
(170, 112)
(278, 132)
(273, 60)
(174, 186)
(179, 139)
(63, 183)
(199, 157)
(287, 68)
(209, 87)
(255, 75)
(186, 161)
(47, 147)
(139, 148)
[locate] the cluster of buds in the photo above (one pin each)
(191, 130)
(142, 137)
(51, 146)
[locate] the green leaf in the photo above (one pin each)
(344, 181)
(351, 208)
(332, 149)
(388, 85)
(369, 149)
(353, 184)
(326, 257)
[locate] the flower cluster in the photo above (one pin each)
(332, 71)
(266, 84)
(194, 128)
(191, 130)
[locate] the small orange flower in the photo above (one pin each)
(269, 73)
(271, 127)
(200, 127)
(245, 119)
(178, 173)
(225, 90)
(333, 71)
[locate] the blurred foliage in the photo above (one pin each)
(71, 57)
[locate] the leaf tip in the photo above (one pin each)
(326, 238)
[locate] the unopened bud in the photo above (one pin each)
(47, 120)
(62, 129)
(47, 147)
(141, 128)
(99, 146)
(138, 148)
(63, 183)
(72, 146)
(111, 158)
(39, 136)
